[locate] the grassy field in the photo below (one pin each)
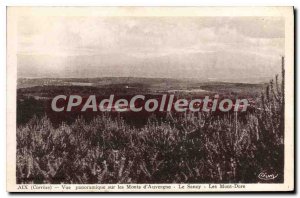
(187, 148)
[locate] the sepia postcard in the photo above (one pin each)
(150, 99)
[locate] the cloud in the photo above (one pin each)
(123, 43)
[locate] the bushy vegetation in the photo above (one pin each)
(192, 148)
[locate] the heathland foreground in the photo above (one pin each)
(186, 148)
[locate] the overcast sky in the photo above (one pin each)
(173, 47)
